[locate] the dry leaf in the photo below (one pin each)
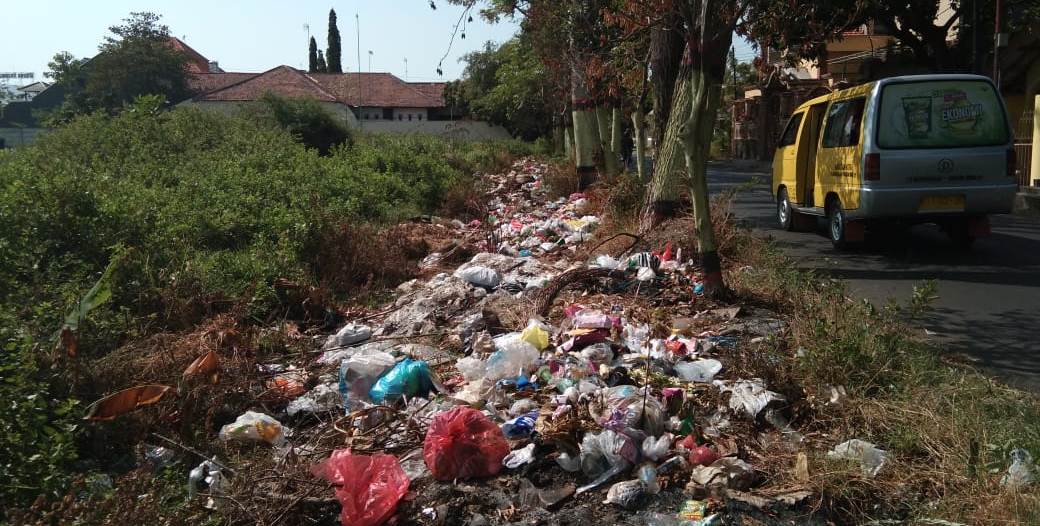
(124, 401)
(68, 341)
(205, 364)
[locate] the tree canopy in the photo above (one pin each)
(137, 59)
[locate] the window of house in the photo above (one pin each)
(409, 116)
(791, 132)
(366, 116)
(843, 123)
(400, 116)
(420, 116)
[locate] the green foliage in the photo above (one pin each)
(137, 60)
(208, 207)
(36, 431)
(306, 120)
(506, 85)
(334, 56)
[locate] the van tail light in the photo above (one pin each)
(872, 167)
(1012, 162)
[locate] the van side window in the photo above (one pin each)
(791, 132)
(843, 123)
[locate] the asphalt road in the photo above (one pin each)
(988, 309)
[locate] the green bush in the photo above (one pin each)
(306, 120)
(36, 431)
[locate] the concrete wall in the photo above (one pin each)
(14, 137)
(465, 130)
(410, 114)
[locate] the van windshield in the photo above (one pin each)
(941, 114)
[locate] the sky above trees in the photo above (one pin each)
(254, 35)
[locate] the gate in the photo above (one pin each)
(1024, 150)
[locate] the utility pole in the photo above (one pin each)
(370, 61)
(405, 68)
(999, 39)
(357, 30)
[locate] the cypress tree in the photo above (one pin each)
(333, 57)
(321, 67)
(312, 57)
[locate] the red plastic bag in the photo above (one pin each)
(368, 487)
(463, 443)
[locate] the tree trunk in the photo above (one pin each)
(617, 129)
(666, 50)
(586, 131)
(662, 198)
(568, 142)
(610, 161)
(711, 39)
(639, 127)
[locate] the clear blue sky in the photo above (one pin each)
(253, 35)
(257, 35)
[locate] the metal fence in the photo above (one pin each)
(1024, 150)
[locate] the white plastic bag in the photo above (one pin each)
(479, 276)
(655, 448)
(1021, 472)
(512, 357)
(358, 373)
(350, 334)
(749, 396)
(324, 397)
(702, 371)
(471, 368)
(871, 459)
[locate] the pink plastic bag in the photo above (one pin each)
(368, 487)
(463, 443)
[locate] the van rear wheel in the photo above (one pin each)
(784, 211)
(836, 224)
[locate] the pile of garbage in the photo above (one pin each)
(461, 403)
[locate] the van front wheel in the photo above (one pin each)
(784, 211)
(836, 224)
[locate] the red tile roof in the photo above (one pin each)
(207, 82)
(196, 62)
(379, 90)
(282, 80)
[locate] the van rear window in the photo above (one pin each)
(941, 114)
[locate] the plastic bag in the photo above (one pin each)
(598, 353)
(515, 459)
(871, 459)
(607, 262)
(471, 368)
(655, 448)
(350, 334)
(368, 487)
(210, 473)
(621, 408)
(750, 396)
(702, 371)
(324, 397)
(407, 378)
(626, 494)
(727, 472)
(520, 426)
(254, 426)
(635, 336)
(648, 474)
(479, 276)
(607, 455)
(592, 319)
(463, 443)
(511, 358)
(1021, 472)
(536, 334)
(359, 372)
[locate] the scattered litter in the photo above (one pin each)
(749, 396)
(725, 472)
(350, 334)
(479, 276)
(871, 458)
(532, 497)
(324, 397)
(519, 457)
(1022, 472)
(210, 473)
(626, 494)
(255, 426)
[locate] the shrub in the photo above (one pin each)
(306, 120)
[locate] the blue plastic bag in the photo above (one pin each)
(520, 426)
(407, 378)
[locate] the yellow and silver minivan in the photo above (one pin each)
(912, 149)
